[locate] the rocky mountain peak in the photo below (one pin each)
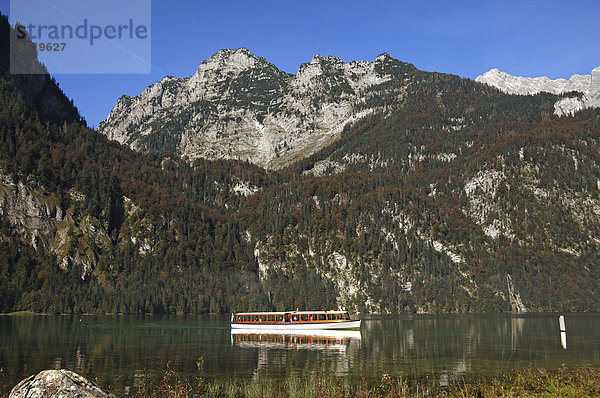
(232, 60)
(319, 65)
(595, 83)
(238, 105)
(588, 85)
(383, 57)
(330, 59)
(495, 72)
(533, 85)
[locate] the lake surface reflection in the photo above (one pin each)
(122, 351)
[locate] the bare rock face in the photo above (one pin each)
(239, 106)
(39, 219)
(588, 85)
(57, 383)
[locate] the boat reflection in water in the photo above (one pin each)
(338, 340)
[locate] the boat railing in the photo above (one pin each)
(293, 317)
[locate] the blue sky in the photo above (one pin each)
(467, 38)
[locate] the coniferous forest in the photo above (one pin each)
(455, 198)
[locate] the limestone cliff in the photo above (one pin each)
(239, 106)
(587, 85)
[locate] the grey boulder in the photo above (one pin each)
(57, 384)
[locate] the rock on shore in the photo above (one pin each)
(57, 384)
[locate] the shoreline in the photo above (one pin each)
(367, 315)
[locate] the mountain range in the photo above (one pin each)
(372, 185)
(239, 106)
(581, 91)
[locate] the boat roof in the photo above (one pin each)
(290, 312)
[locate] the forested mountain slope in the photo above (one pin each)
(89, 225)
(509, 218)
(451, 197)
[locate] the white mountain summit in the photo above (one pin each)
(588, 85)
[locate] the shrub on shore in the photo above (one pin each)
(582, 382)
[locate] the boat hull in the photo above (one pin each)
(299, 326)
(339, 334)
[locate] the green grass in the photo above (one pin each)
(582, 382)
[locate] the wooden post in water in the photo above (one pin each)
(561, 322)
(563, 331)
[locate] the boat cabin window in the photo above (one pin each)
(271, 318)
(340, 316)
(246, 318)
(254, 318)
(330, 317)
(279, 318)
(240, 318)
(263, 318)
(322, 317)
(294, 318)
(304, 317)
(346, 316)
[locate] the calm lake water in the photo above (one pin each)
(120, 351)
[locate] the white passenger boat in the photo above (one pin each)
(294, 320)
